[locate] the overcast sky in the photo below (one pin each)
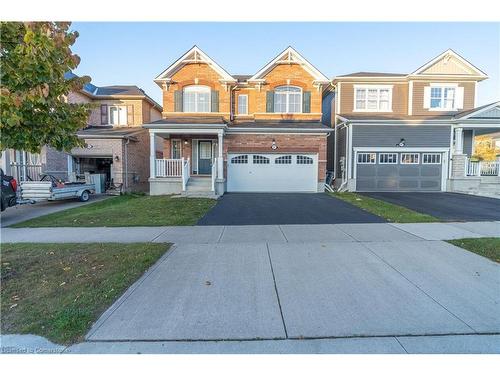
(135, 53)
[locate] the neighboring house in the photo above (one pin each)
(116, 144)
(411, 132)
(240, 133)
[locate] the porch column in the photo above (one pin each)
(459, 141)
(152, 155)
(220, 159)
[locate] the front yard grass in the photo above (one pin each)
(488, 247)
(59, 290)
(128, 210)
(391, 212)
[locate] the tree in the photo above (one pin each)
(485, 149)
(34, 57)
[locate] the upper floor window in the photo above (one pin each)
(288, 99)
(373, 98)
(242, 104)
(117, 115)
(443, 97)
(196, 99)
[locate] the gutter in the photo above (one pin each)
(278, 130)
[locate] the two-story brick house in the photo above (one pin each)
(410, 132)
(240, 133)
(116, 143)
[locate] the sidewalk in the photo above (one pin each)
(448, 344)
(376, 232)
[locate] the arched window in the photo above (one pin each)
(287, 99)
(196, 99)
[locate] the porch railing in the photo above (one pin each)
(482, 168)
(168, 167)
(214, 173)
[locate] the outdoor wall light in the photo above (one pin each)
(185, 142)
(273, 145)
(401, 143)
(117, 158)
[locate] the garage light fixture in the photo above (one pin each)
(117, 158)
(273, 145)
(401, 143)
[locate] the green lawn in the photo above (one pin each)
(128, 210)
(391, 212)
(59, 290)
(486, 247)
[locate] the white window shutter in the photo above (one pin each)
(459, 98)
(427, 97)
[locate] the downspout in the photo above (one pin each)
(344, 180)
(126, 164)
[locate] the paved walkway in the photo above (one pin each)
(258, 233)
(446, 344)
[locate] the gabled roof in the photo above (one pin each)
(455, 58)
(290, 56)
(194, 55)
(487, 111)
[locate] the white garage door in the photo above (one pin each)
(272, 172)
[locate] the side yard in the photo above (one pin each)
(59, 290)
(391, 212)
(128, 210)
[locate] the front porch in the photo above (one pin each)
(467, 173)
(192, 162)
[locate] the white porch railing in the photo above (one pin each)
(168, 167)
(186, 170)
(214, 173)
(482, 168)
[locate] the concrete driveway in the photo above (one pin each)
(446, 206)
(402, 286)
(284, 208)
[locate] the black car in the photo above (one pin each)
(8, 193)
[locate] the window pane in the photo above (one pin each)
(360, 94)
(279, 102)
(259, 159)
(203, 102)
(287, 159)
(113, 115)
(294, 104)
(189, 102)
(242, 104)
(176, 149)
(384, 105)
(122, 115)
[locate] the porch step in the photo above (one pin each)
(197, 194)
(199, 184)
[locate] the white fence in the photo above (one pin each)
(482, 168)
(214, 173)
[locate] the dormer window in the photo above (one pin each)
(288, 99)
(373, 98)
(196, 99)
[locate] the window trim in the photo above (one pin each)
(246, 104)
(117, 106)
(287, 99)
(372, 87)
(409, 153)
(432, 154)
(443, 87)
(367, 153)
(189, 88)
(388, 153)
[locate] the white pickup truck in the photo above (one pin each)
(50, 188)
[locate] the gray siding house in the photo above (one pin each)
(413, 132)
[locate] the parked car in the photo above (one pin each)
(8, 193)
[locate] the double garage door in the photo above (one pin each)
(250, 172)
(399, 171)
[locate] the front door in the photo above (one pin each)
(204, 157)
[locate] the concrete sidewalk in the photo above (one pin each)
(448, 344)
(257, 233)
